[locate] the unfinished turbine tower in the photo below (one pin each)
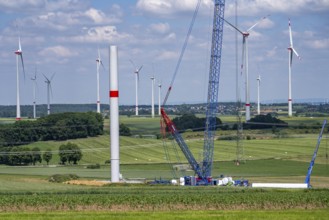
(114, 115)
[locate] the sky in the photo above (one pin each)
(62, 37)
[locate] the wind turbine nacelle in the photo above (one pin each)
(245, 34)
(18, 52)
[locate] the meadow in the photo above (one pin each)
(282, 156)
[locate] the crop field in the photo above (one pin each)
(282, 156)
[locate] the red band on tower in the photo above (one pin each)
(247, 104)
(114, 94)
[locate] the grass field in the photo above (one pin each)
(26, 192)
(319, 214)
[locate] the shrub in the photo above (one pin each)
(94, 166)
(60, 178)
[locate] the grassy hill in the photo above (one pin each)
(284, 155)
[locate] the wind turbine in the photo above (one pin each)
(137, 70)
(152, 78)
(34, 79)
(49, 90)
(245, 60)
(291, 51)
(19, 53)
(159, 101)
(98, 64)
(258, 100)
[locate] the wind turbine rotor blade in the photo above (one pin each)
(293, 49)
(46, 77)
(51, 90)
(132, 63)
(19, 44)
(290, 34)
(22, 60)
(101, 62)
(258, 22)
(243, 54)
(232, 26)
(140, 68)
(52, 76)
(35, 73)
(291, 55)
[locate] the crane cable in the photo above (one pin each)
(182, 51)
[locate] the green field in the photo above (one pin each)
(226, 215)
(283, 157)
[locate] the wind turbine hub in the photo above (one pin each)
(245, 34)
(18, 52)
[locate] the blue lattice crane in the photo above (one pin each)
(310, 168)
(203, 170)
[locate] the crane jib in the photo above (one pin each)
(204, 170)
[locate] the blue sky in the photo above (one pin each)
(62, 37)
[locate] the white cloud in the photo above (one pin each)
(100, 17)
(272, 52)
(95, 15)
(167, 55)
(64, 5)
(99, 34)
(161, 28)
(58, 51)
(319, 44)
(20, 5)
(170, 7)
(256, 7)
(170, 37)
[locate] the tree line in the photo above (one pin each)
(68, 153)
(190, 121)
(61, 126)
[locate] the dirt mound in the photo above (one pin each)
(87, 182)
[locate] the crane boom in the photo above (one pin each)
(203, 170)
(213, 86)
(181, 143)
(310, 168)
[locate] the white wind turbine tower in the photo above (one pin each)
(137, 70)
(245, 61)
(19, 53)
(34, 79)
(258, 99)
(49, 90)
(98, 64)
(152, 78)
(291, 51)
(159, 101)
